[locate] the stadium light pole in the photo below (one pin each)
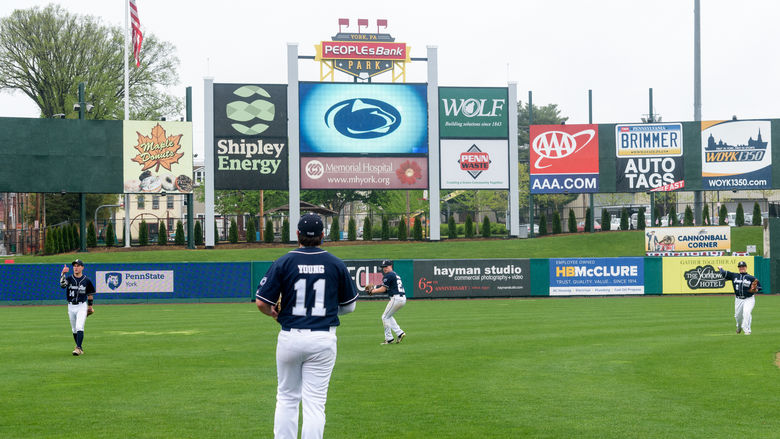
(82, 108)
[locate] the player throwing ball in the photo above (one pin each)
(745, 286)
(80, 292)
(315, 288)
(392, 285)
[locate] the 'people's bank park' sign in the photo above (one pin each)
(361, 54)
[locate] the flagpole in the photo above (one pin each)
(127, 113)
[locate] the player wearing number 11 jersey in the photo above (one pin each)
(315, 288)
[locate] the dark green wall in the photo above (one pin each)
(55, 155)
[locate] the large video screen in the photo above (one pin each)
(370, 119)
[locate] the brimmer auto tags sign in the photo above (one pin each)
(564, 159)
(649, 156)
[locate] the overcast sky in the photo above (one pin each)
(559, 49)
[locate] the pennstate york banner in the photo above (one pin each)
(473, 113)
(474, 164)
(687, 239)
(736, 155)
(472, 278)
(700, 275)
(649, 156)
(364, 172)
(250, 136)
(366, 119)
(157, 157)
(597, 276)
(564, 159)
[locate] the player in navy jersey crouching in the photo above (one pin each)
(305, 291)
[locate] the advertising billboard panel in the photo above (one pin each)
(686, 239)
(473, 113)
(364, 172)
(242, 110)
(700, 275)
(472, 278)
(474, 164)
(364, 119)
(250, 136)
(736, 155)
(597, 276)
(649, 156)
(564, 158)
(157, 157)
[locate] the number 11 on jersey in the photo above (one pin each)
(300, 298)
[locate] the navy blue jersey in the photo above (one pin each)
(77, 288)
(741, 282)
(393, 283)
(313, 284)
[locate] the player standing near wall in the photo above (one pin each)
(394, 287)
(80, 292)
(745, 286)
(315, 288)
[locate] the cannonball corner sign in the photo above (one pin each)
(362, 54)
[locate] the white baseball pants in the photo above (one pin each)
(388, 321)
(78, 316)
(304, 362)
(743, 312)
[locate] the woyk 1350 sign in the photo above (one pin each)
(564, 159)
(250, 136)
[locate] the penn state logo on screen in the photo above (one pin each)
(363, 118)
(113, 280)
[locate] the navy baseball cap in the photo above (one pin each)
(78, 262)
(310, 225)
(742, 264)
(386, 263)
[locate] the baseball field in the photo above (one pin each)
(644, 367)
(617, 367)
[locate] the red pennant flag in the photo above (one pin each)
(138, 37)
(381, 23)
(362, 22)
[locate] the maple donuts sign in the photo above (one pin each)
(157, 157)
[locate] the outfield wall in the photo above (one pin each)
(422, 278)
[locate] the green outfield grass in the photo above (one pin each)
(639, 367)
(618, 243)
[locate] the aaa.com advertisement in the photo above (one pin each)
(686, 239)
(564, 158)
(700, 275)
(472, 278)
(597, 276)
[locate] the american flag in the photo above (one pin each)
(135, 24)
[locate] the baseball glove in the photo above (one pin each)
(754, 287)
(368, 289)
